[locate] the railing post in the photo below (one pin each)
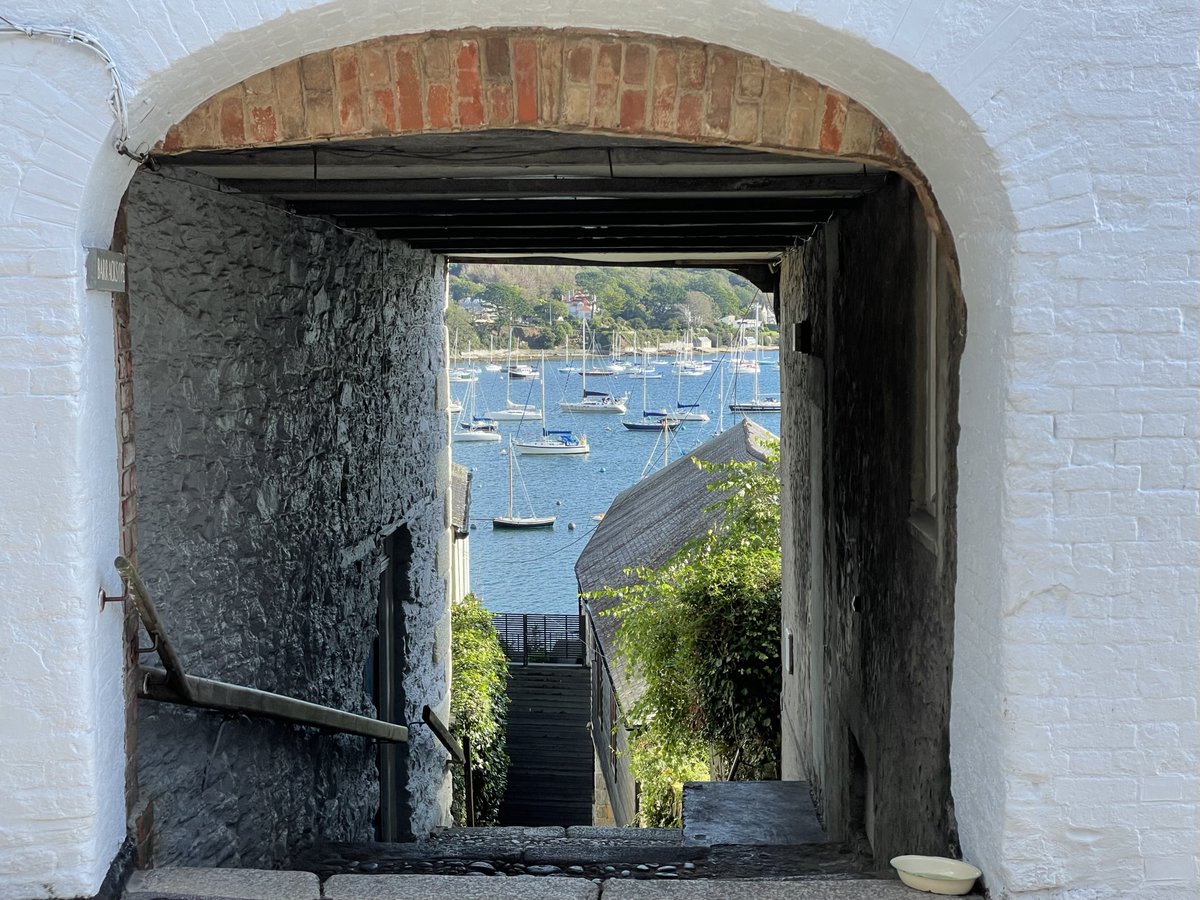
(469, 780)
(524, 639)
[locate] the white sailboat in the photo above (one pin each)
(553, 442)
(566, 368)
(513, 521)
(514, 412)
(652, 419)
(492, 366)
(594, 401)
(686, 412)
(758, 404)
(471, 428)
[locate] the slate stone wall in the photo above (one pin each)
(286, 389)
(871, 604)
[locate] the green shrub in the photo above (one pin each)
(478, 708)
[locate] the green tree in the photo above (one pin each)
(509, 302)
(701, 632)
(478, 708)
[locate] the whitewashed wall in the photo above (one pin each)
(1060, 141)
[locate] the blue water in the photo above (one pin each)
(534, 571)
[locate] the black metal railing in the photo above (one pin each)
(536, 638)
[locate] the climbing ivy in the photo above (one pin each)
(702, 634)
(478, 708)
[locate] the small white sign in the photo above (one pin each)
(105, 271)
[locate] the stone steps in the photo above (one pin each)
(250, 884)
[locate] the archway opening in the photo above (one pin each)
(330, 227)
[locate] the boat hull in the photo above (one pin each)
(616, 409)
(670, 425)
(517, 522)
(548, 449)
(515, 415)
(475, 437)
(755, 407)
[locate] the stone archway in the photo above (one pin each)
(574, 81)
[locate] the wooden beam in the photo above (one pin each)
(574, 209)
(633, 231)
(641, 244)
(467, 223)
(416, 188)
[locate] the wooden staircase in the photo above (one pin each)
(550, 778)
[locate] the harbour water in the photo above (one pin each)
(534, 570)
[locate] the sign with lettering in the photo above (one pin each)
(105, 271)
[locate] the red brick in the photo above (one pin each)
(376, 70)
(579, 63)
(408, 89)
(637, 63)
(550, 79)
(886, 146)
(349, 91)
(262, 125)
(382, 111)
(173, 141)
(666, 81)
(693, 68)
(804, 112)
(833, 122)
(436, 52)
(496, 58)
(605, 112)
(776, 96)
(467, 85)
(289, 108)
(722, 74)
(316, 69)
(233, 123)
(318, 114)
(691, 115)
(751, 77)
(500, 105)
(744, 127)
(438, 103)
(858, 137)
(526, 81)
(633, 110)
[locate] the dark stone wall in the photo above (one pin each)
(285, 390)
(869, 596)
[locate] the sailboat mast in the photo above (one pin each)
(510, 475)
(721, 399)
(542, 379)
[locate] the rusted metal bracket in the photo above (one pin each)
(105, 599)
(153, 625)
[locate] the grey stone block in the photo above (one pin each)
(449, 887)
(749, 812)
(699, 889)
(608, 832)
(233, 884)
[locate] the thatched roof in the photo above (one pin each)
(647, 523)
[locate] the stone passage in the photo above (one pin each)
(550, 778)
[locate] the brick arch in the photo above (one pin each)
(556, 80)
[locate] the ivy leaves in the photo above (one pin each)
(702, 634)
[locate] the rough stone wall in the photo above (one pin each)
(285, 385)
(884, 621)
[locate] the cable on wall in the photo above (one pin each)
(116, 100)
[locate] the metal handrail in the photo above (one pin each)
(172, 684)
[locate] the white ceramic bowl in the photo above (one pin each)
(936, 874)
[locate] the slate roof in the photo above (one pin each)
(647, 523)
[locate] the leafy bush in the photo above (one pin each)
(702, 634)
(478, 708)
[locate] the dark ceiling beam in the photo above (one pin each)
(529, 221)
(571, 209)
(627, 230)
(398, 158)
(509, 188)
(762, 275)
(629, 244)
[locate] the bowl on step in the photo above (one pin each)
(936, 874)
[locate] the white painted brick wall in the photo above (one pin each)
(1059, 139)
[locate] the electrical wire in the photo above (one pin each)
(116, 101)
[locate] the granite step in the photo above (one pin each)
(251, 884)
